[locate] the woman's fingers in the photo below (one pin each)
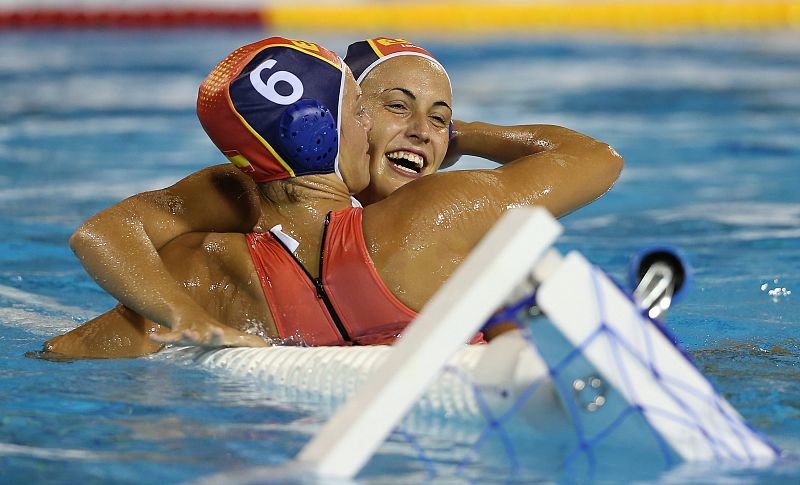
(178, 337)
(229, 337)
(209, 337)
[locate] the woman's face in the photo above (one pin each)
(409, 101)
(353, 149)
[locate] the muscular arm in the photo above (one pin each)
(569, 169)
(119, 246)
(505, 144)
(220, 283)
(500, 144)
(585, 170)
(422, 232)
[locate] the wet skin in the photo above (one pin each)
(410, 103)
(227, 283)
(416, 236)
(216, 271)
(411, 98)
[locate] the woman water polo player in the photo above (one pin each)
(555, 153)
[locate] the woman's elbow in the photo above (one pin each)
(610, 162)
(94, 237)
(616, 160)
(83, 240)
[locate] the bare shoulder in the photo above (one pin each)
(420, 234)
(213, 199)
(224, 178)
(452, 208)
(218, 198)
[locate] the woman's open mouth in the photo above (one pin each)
(406, 163)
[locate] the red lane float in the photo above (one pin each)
(134, 19)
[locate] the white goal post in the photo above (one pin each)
(458, 310)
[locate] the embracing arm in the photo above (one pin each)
(500, 144)
(419, 234)
(570, 170)
(587, 170)
(119, 246)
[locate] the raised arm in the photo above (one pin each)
(571, 169)
(544, 165)
(591, 171)
(434, 222)
(119, 246)
(501, 144)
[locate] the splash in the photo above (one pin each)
(777, 292)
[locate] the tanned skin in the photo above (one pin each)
(417, 233)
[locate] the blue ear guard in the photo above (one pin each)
(309, 137)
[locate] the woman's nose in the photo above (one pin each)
(419, 128)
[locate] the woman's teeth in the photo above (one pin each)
(407, 161)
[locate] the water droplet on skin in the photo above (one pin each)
(192, 283)
(171, 203)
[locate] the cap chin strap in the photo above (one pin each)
(339, 119)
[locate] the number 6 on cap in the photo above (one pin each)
(268, 90)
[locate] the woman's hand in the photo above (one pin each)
(454, 149)
(206, 332)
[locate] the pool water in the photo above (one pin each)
(710, 130)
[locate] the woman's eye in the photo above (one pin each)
(439, 120)
(396, 106)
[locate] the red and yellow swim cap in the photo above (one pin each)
(364, 56)
(273, 108)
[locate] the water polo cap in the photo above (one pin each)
(364, 56)
(273, 108)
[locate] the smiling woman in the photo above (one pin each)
(397, 251)
(409, 99)
(708, 126)
(408, 94)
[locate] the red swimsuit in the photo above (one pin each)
(348, 304)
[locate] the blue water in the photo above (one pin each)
(709, 127)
